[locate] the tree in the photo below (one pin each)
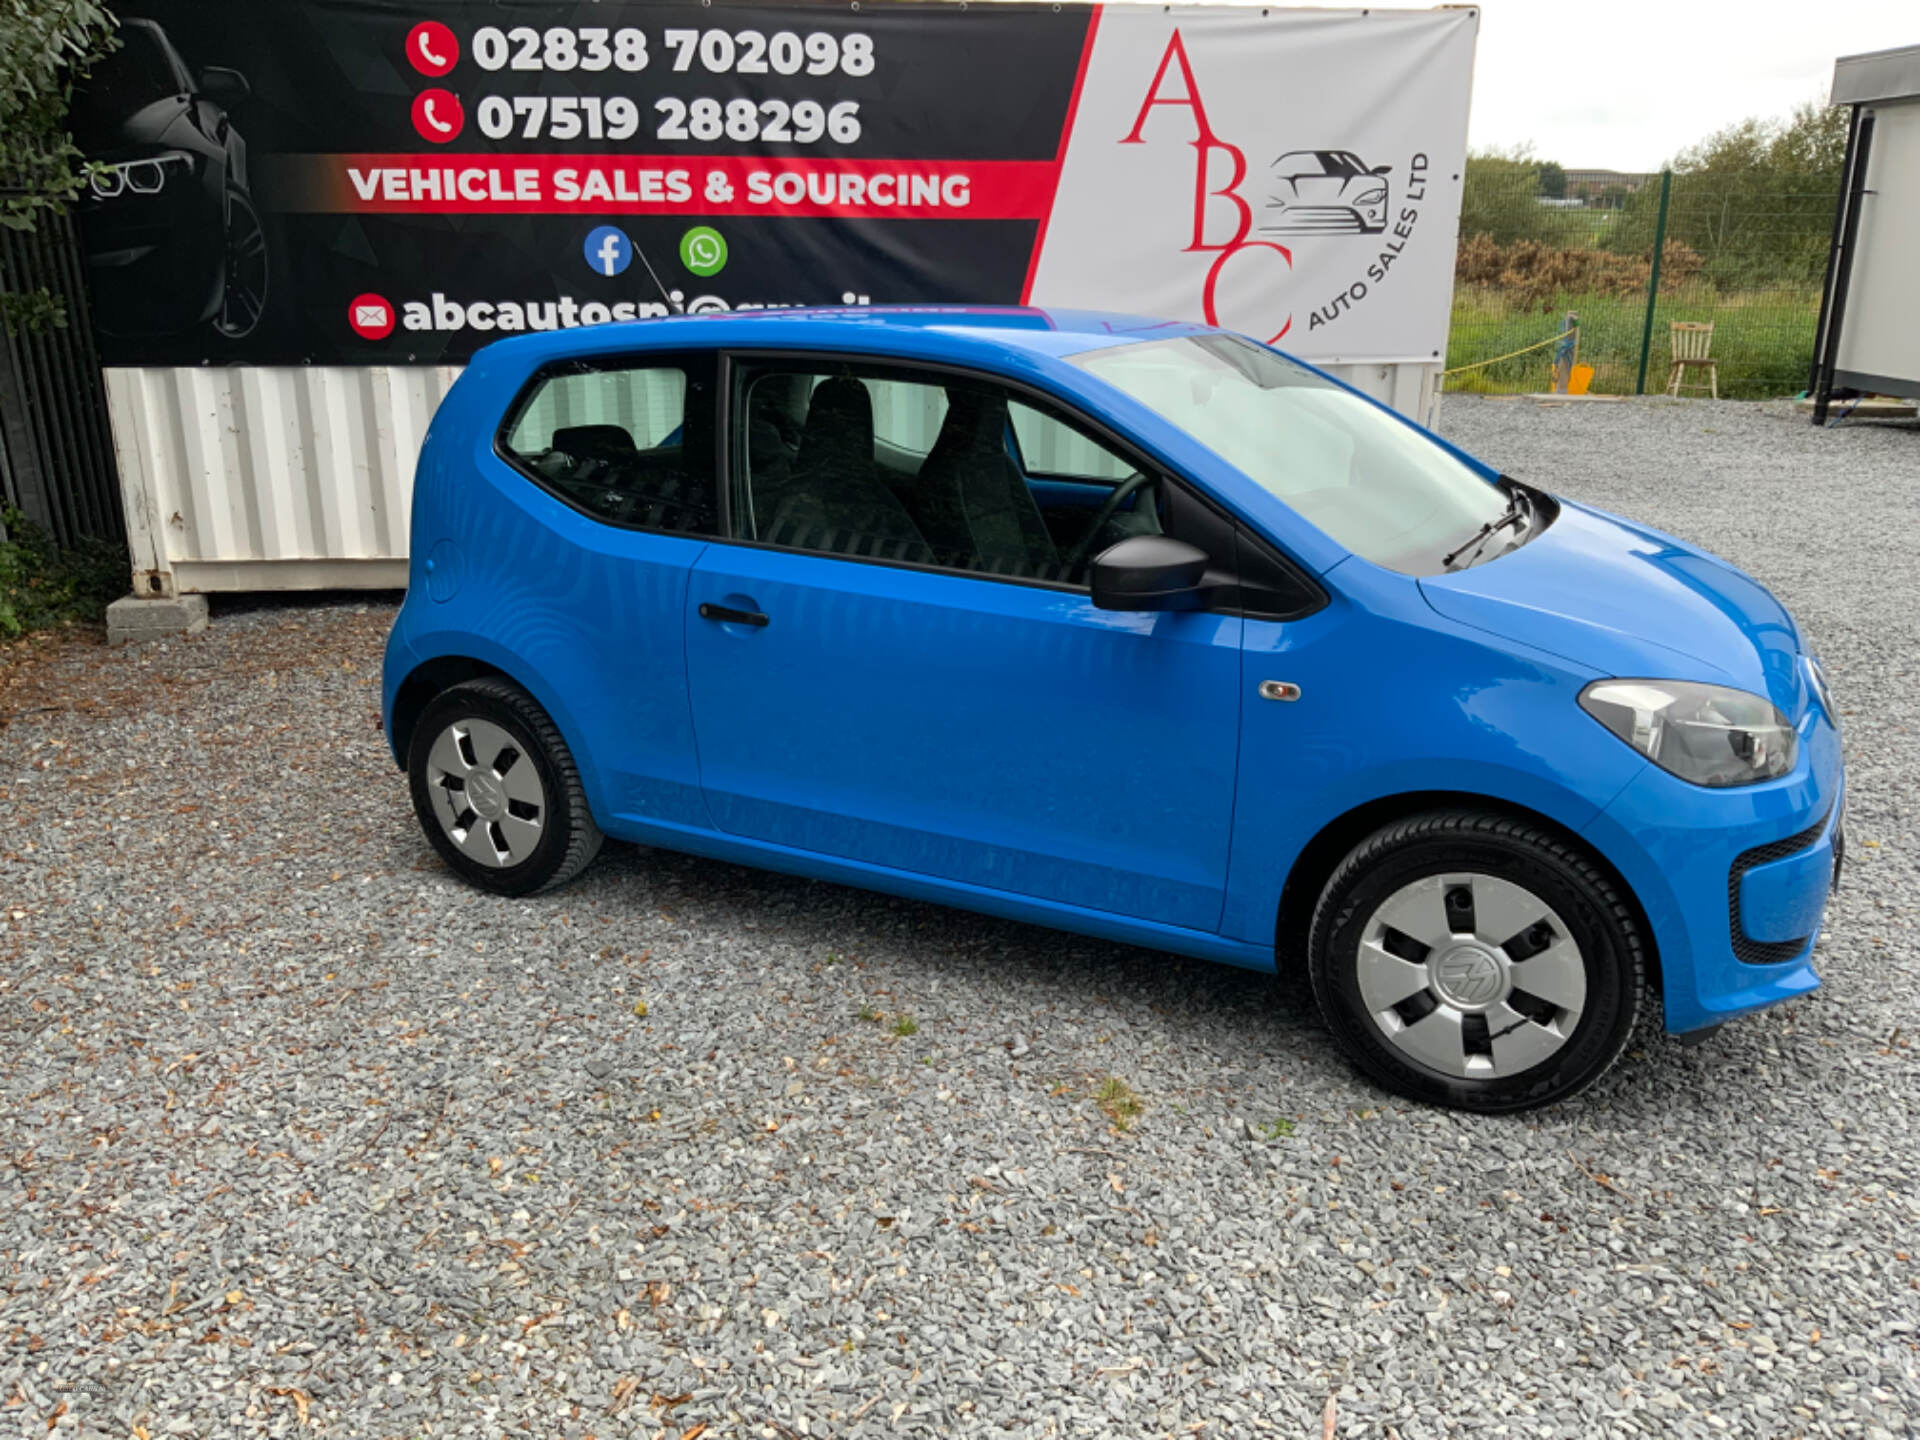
(44, 45)
(1755, 199)
(1497, 198)
(1553, 180)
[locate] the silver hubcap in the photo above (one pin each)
(1471, 975)
(486, 792)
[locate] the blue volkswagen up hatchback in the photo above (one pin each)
(1132, 628)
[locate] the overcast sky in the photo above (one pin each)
(1623, 84)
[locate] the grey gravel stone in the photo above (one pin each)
(295, 1126)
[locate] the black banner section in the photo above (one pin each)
(365, 182)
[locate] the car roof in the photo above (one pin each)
(926, 331)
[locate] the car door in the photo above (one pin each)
(587, 572)
(893, 661)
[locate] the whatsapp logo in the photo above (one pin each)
(703, 251)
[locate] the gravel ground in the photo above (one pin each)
(301, 1134)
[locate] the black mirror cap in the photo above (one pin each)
(1152, 572)
(224, 86)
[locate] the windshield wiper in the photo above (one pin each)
(1519, 510)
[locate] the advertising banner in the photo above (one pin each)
(365, 182)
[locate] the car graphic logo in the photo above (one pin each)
(608, 250)
(1321, 192)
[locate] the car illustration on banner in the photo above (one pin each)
(1317, 192)
(173, 237)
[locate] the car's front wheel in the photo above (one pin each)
(1474, 960)
(497, 791)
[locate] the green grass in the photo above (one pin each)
(1762, 339)
(1118, 1102)
(906, 1025)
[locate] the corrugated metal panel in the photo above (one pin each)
(270, 478)
(258, 478)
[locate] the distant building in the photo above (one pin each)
(1599, 182)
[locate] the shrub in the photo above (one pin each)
(42, 585)
(1532, 275)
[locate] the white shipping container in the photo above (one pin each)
(301, 478)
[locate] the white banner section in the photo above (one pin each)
(1294, 175)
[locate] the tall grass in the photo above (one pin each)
(1762, 338)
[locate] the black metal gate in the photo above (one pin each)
(56, 444)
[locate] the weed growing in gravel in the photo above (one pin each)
(1277, 1128)
(868, 1013)
(906, 1025)
(1118, 1102)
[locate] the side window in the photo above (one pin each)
(631, 444)
(928, 469)
(1052, 448)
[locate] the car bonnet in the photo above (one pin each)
(1628, 601)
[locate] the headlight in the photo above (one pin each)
(1708, 734)
(1817, 673)
(1372, 197)
(146, 176)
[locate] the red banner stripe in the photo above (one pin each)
(779, 187)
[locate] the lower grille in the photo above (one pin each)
(1766, 952)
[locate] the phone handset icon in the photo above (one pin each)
(438, 116)
(432, 48)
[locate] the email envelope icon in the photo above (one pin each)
(370, 314)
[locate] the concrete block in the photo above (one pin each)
(132, 619)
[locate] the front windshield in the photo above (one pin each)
(1379, 487)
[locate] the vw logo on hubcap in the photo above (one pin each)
(1469, 978)
(486, 796)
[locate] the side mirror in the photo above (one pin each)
(1153, 572)
(1381, 170)
(224, 87)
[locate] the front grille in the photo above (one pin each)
(1766, 952)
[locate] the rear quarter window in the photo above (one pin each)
(631, 444)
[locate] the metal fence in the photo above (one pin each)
(56, 447)
(1745, 258)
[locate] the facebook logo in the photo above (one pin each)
(608, 250)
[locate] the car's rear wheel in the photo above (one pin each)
(1473, 960)
(497, 791)
(244, 297)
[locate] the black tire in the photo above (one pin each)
(568, 838)
(246, 268)
(1474, 843)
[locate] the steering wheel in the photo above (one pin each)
(1134, 483)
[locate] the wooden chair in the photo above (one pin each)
(1690, 344)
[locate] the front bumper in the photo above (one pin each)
(1735, 882)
